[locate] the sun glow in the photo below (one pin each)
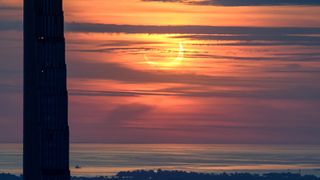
(169, 62)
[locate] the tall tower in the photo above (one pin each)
(46, 130)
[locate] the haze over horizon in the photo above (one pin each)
(178, 71)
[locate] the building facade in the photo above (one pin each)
(46, 130)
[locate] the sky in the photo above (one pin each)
(179, 71)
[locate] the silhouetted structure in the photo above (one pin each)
(46, 131)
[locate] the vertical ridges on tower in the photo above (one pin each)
(46, 131)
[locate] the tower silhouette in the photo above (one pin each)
(46, 130)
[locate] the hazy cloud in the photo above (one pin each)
(114, 71)
(124, 114)
(10, 8)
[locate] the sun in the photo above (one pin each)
(168, 62)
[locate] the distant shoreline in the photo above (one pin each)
(77, 172)
(183, 175)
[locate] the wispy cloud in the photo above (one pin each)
(258, 39)
(265, 32)
(242, 36)
(268, 88)
(244, 2)
(309, 93)
(135, 29)
(228, 36)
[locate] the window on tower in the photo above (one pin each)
(41, 38)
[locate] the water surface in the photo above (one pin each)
(107, 159)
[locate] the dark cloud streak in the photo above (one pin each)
(262, 32)
(258, 39)
(297, 93)
(192, 29)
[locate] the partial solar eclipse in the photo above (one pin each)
(174, 62)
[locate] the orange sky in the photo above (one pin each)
(210, 83)
(157, 13)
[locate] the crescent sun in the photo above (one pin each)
(174, 62)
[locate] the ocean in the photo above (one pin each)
(108, 159)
